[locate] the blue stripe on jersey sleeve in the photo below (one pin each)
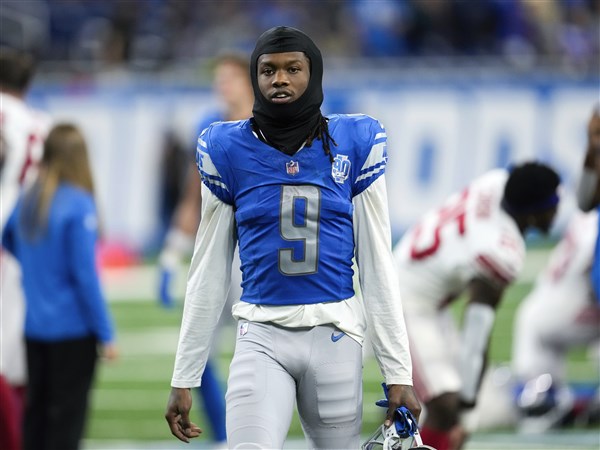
(374, 165)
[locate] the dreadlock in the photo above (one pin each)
(321, 132)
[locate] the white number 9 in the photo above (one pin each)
(292, 198)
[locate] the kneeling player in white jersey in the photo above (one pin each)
(22, 130)
(302, 194)
(473, 242)
(560, 314)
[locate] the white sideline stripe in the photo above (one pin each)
(150, 341)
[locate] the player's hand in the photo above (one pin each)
(177, 415)
(165, 287)
(401, 395)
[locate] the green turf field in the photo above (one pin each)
(130, 395)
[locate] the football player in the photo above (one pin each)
(558, 315)
(234, 89)
(302, 194)
(23, 130)
(473, 243)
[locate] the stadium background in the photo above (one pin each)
(461, 86)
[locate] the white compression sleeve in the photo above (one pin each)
(477, 327)
(208, 283)
(380, 285)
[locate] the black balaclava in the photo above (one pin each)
(286, 127)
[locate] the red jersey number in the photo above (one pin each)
(447, 215)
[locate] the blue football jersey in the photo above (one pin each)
(293, 213)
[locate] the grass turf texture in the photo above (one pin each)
(129, 397)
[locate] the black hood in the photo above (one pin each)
(287, 126)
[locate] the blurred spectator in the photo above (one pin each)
(430, 30)
(25, 25)
(233, 87)
(174, 165)
(578, 32)
(556, 317)
(53, 232)
(234, 90)
(381, 28)
(147, 35)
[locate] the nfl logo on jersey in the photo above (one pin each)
(292, 168)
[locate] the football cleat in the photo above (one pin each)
(543, 405)
(403, 434)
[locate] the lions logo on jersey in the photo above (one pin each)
(340, 168)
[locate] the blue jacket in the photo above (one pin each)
(60, 278)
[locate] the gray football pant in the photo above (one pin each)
(273, 366)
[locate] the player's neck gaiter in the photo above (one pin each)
(286, 127)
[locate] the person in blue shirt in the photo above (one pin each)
(52, 232)
(303, 196)
(234, 91)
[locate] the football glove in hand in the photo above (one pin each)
(403, 434)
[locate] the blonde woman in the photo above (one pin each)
(53, 232)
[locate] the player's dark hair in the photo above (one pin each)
(321, 132)
(232, 57)
(16, 70)
(531, 187)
